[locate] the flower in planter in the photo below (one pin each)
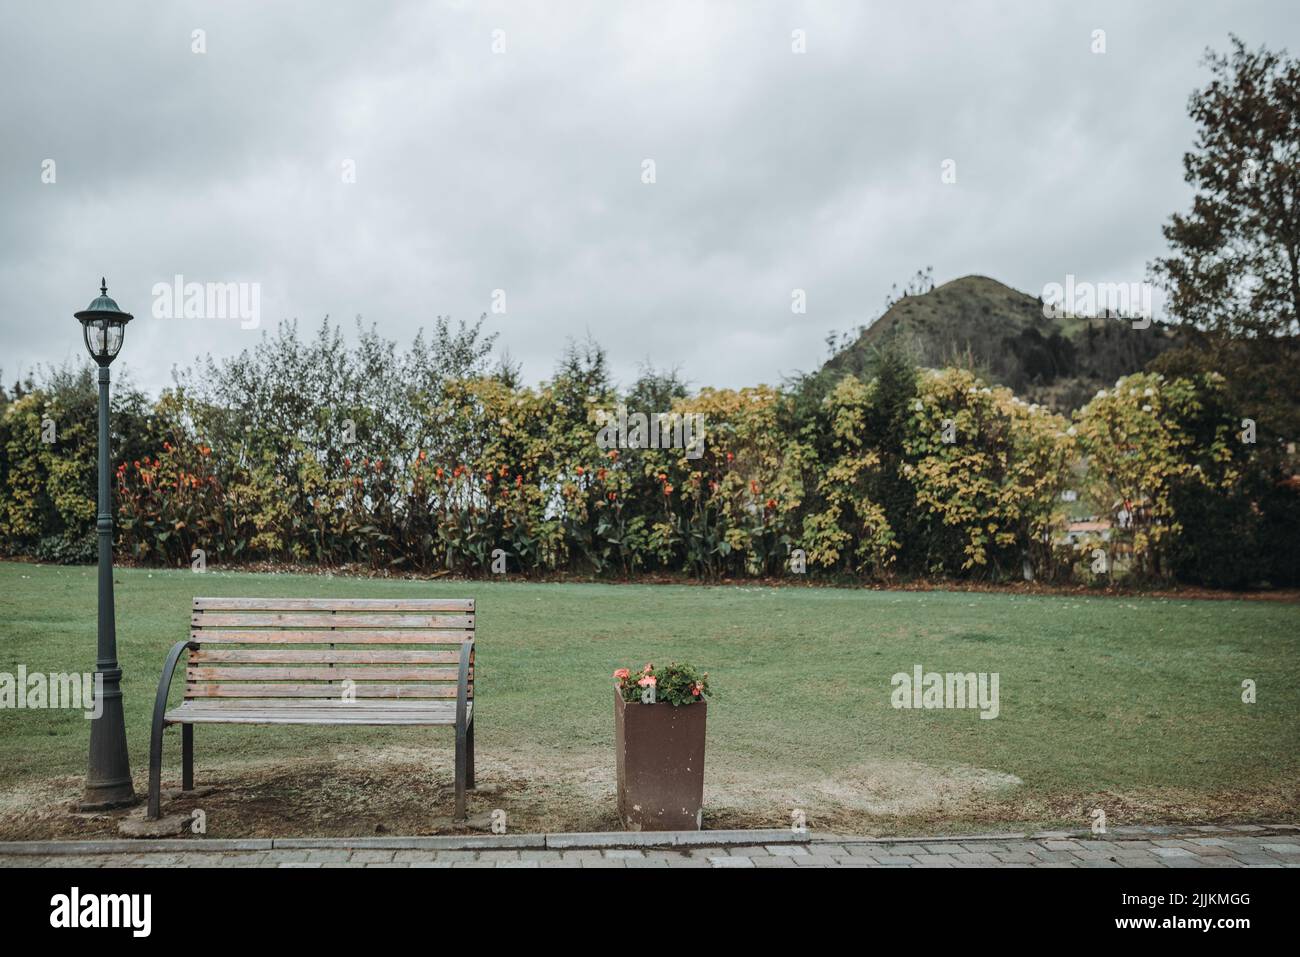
(676, 684)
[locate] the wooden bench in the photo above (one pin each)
(340, 661)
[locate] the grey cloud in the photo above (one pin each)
(521, 171)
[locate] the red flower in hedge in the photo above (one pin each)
(647, 681)
(613, 455)
(622, 674)
(347, 463)
(600, 474)
(579, 470)
(519, 481)
(668, 490)
(771, 503)
(730, 457)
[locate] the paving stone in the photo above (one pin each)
(546, 857)
(896, 859)
(624, 853)
(1169, 852)
(786, 850)
(283, 857)
(731, 861)
(976, 858)
(1282, 848)
(329, 854)
(371, 857)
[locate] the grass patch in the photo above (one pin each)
(1130, 701)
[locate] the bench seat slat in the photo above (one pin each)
(214, 654)
(320, 690)
(292, 619)
(322, 637)
(355, 673)
(368, 704)
(431, 713)
(336, 604)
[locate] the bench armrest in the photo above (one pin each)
(462, 685)
(159, 713)
(165, 682)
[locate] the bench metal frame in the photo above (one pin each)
(463, 724)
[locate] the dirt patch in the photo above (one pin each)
(366, 791)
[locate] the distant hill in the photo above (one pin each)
(1002, 333)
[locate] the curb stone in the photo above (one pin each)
(792, 843)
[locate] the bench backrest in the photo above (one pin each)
(308, 649)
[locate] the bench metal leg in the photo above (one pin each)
(461, 768)
(155, 771)
(469, 757)
(187, 757)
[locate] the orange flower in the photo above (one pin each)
(205, 450)
(422, 455)
(579, 470)
(622, 674)
(347, 462)
(519, 481)
(647, 669)
(438, 471)
(753, 486)
(601, 474)
(647, 681)
(613, 455)
(612, 496)
(668, 490)
(771, 503)
(730, 457)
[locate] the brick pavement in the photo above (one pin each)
(1205, 847)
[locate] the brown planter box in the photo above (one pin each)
(660, 756)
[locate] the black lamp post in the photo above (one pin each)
(108, 781)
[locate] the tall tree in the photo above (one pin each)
(1234, 267)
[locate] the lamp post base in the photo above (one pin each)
(108, 797)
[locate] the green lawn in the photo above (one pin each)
(1129, 702)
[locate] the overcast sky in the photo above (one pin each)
(522, 170)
